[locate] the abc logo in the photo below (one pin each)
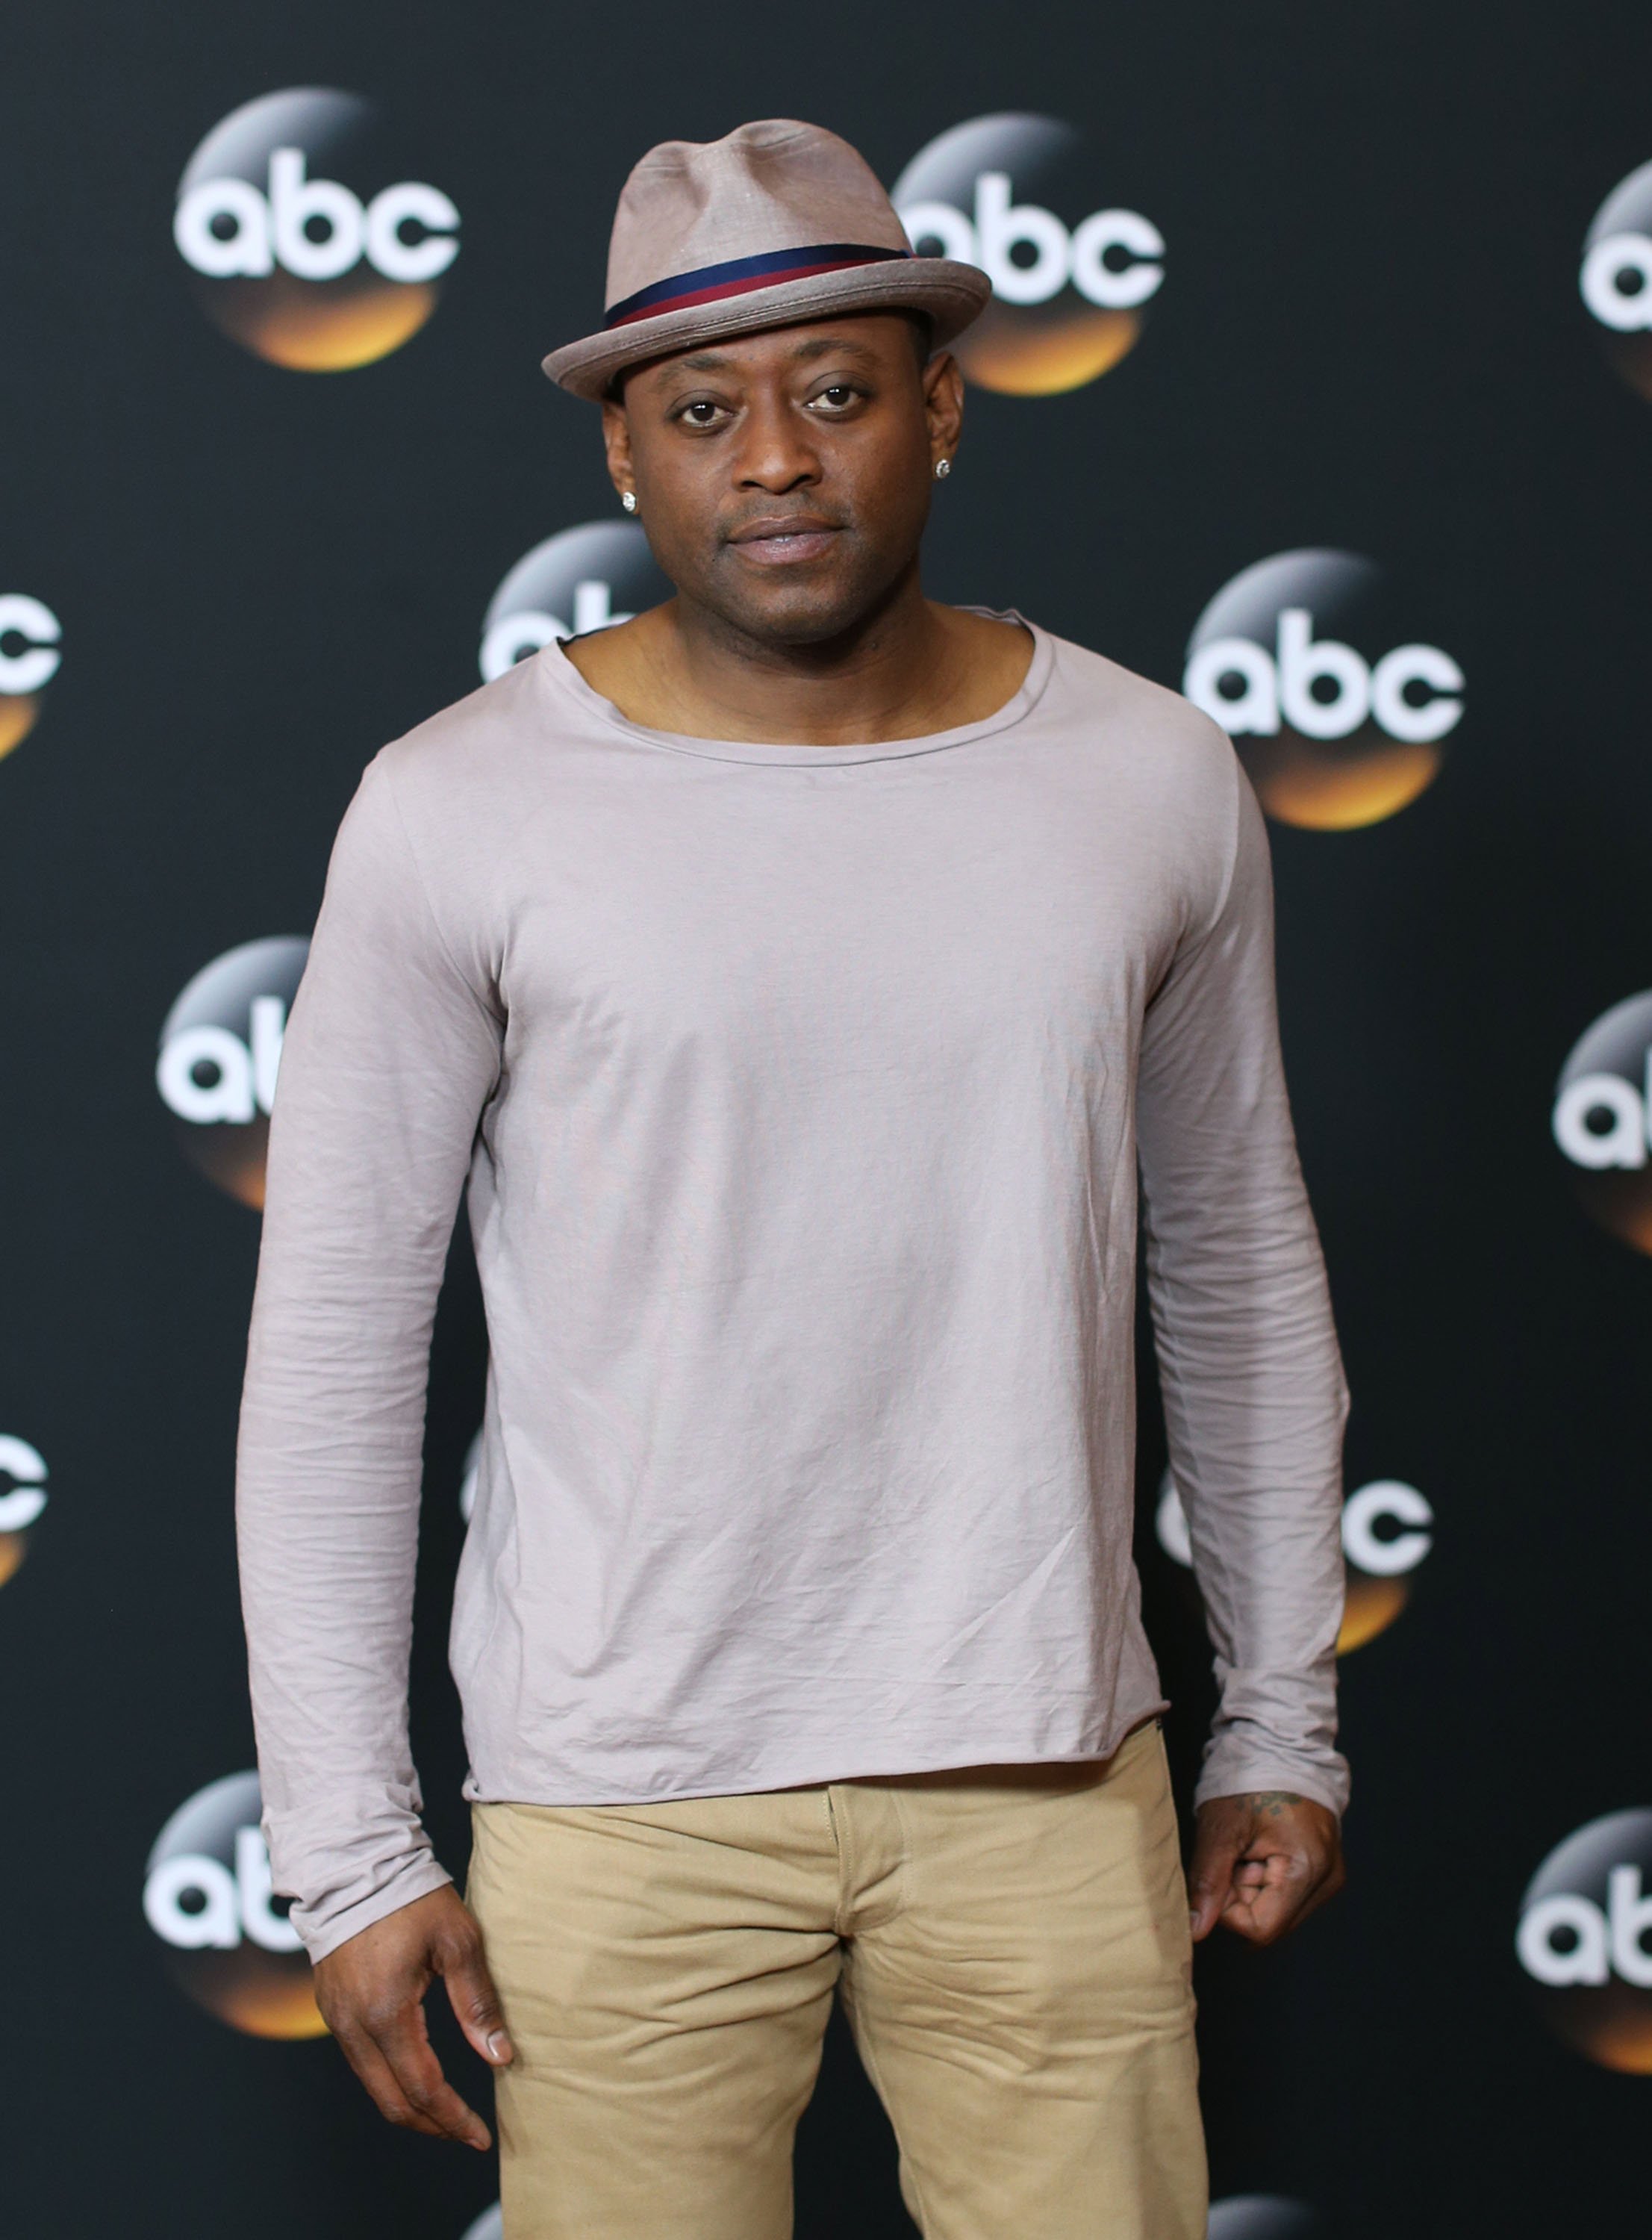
(304, 246)
(490, 2225)
(1067, 299)
(583, 579)
(1387, 1531)
(1585, 1939)
(207, 1895)
(23, 1499)
(1616, 278)
(28, 660)
(1602, 1120)
(1331, 738)
(1261, 2217)
(220, 1051)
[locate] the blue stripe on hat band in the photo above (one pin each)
(747, 271)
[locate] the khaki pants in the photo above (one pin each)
(1011, 1943)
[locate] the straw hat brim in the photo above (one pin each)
(950, 294)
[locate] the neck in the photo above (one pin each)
(906, 668)
(878, 679)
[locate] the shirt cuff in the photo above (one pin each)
(1244, 1768)
(323, 1935)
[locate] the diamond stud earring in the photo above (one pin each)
(943, 469)
(628, 499)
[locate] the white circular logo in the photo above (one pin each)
(1585, 1941)
(1602, 1120)
(1336, 724)
(220, 1053)
(207, 1896)
(30, 656)
(582, 579)
(1616, 278)
(23, 1499)
(303, 244)
(1018, 196)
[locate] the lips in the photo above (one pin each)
(784, 540)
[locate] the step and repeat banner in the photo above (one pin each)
(1316, 382)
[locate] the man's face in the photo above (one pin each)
(784, 479)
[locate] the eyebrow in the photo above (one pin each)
(832, 346)
(805, 352)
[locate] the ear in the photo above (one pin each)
(943, 405)
(616, 437)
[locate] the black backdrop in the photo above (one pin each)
(1369, 337)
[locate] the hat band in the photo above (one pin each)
(711, 282)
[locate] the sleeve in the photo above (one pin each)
(390, 1057)
(1254, 1394)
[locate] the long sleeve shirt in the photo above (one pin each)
(800, 1094)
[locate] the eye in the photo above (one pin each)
(700, 412)
(837, 397)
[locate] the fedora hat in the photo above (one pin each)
(776, 223)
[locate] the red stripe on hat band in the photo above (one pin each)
(738, 288)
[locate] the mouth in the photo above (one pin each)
(785, 540)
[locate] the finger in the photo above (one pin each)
(476, 2004)
(1288, 1888)
(1239, 1907)
(400, 2036)
(1210, 1883)
(1252, 1878)
(385, 2093)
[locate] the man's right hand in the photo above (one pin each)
(371, 1989)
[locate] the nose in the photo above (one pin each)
(777, 450)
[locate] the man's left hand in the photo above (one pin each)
(1262, 1863)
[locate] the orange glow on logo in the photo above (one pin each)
(1337, 787)
(318, 328)
(1006, 351)
(19, 712)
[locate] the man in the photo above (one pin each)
(796, 974)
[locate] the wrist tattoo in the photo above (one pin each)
(1272, 1802)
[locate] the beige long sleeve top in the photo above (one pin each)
(800, 1092)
